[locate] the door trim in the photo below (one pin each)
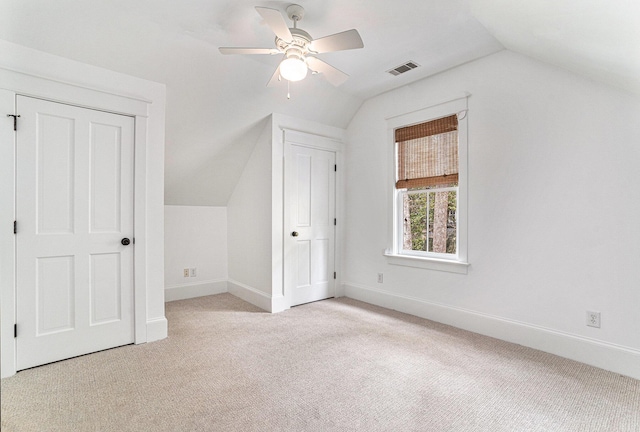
(113, 93)
(319, 142)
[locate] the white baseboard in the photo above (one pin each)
(157, 328)
(245, 292)
(250, 295)
(195, 289)
(612, 357)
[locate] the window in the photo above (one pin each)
(429, 193)
(427, 187)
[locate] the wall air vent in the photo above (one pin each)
(403, 68)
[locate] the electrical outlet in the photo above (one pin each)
(192, 272)
(185, 273)
(380, 277)
(593, 319)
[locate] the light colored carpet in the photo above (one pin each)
(336, 365)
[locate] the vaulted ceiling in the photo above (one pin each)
(217, 105)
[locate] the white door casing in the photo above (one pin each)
(310, 211)
(74, 188)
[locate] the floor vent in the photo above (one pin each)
(403, 68)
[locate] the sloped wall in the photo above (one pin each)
(249, 227)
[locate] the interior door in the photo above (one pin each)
(74, 210)
(310, 187)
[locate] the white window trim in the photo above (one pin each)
(458, 263)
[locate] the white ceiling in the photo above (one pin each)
(217, 105)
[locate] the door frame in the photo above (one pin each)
(29, 84)
(319, 142)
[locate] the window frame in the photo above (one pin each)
(457, 263)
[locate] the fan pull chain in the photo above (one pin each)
(288, 92)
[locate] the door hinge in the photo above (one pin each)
(335, 221)
(335, 167)
(15, 121)
(15, 330)
(334, 275)
(15, 227)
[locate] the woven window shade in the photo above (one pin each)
(428, 154)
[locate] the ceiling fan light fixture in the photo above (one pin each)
(293, 69)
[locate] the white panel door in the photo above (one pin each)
(74, 208)
(309, 223)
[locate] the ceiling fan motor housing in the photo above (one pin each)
(300, 42)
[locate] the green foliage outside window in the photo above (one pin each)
(421, 223)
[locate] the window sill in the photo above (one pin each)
(427, 263)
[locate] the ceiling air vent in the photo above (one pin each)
(403, 68)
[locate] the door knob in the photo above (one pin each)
(125, 241)
(294, 234)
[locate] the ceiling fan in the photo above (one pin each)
(299, 48)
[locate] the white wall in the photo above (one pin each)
(34, 73)
(553, 211)
(195, 237)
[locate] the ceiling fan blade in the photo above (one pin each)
(346, 40)
(276, 22)
(275, 78)
(227, 50)
(333, 75)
